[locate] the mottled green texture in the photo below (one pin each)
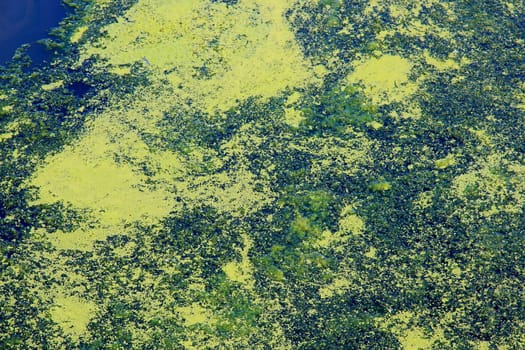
(380, 226)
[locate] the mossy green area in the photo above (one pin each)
(319, 174)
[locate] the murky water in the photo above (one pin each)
(26, 21)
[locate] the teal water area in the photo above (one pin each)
(25, 22)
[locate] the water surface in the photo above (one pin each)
(26, 21)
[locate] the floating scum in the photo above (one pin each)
(277, 174)
(243, 55)
(213, 55)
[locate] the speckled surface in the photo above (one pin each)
(319, 174)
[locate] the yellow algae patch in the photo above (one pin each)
(7, 108)
(445, 162)
(13, 128)
(493, 185)
(89, 176)
(328, 238)
(407, 14)
(293, 117)
(213, 54)
(6, 136)
(451, 63)
(410, 337)
(482, 345)
(423, 200)
(194, 314)
(385, 79)
(241, 271)
(293, 98)
(349, 222)
(82, 238)
(374, 125)
(415, 339)
(77, 34)
(53, 86)
(411, 110)
(483, 137)
(123, 70)
(441, 65)
(229, 192)
(104, 174)
(381, 186)
(337, 287)
(115, 193)
(126, 250)
(72, 314)
(371, 253)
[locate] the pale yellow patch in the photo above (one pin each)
(374, 125)
(482, 345)
(445, 162)
(371, 253)
(423, 200)
(14, 126)
(213, 54)
(293, 117)
(328, 238)
(293, 98)
(53, 85)
(6, 136)
(84, 237)
(482, 135)
(456, 271)
(338, 286)
(320, 71)
(242, 271)
(381, 186)
(411, 337)
(415, 339)
(126, 250)
(87, 178)
(216, 55)
(439, 64)
(89, 175)
(385, 79)
(103, 172)
(72, 314)
(7, 108)
(498, 185)
(231, 192)
(194, 314)
(77, 34)
(411, 111)
(351, 223)
(120, 70)
(408, 14)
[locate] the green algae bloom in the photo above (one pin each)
(320, 174)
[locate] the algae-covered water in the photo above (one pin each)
(318, 174)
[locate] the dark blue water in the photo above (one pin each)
(25, 22)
